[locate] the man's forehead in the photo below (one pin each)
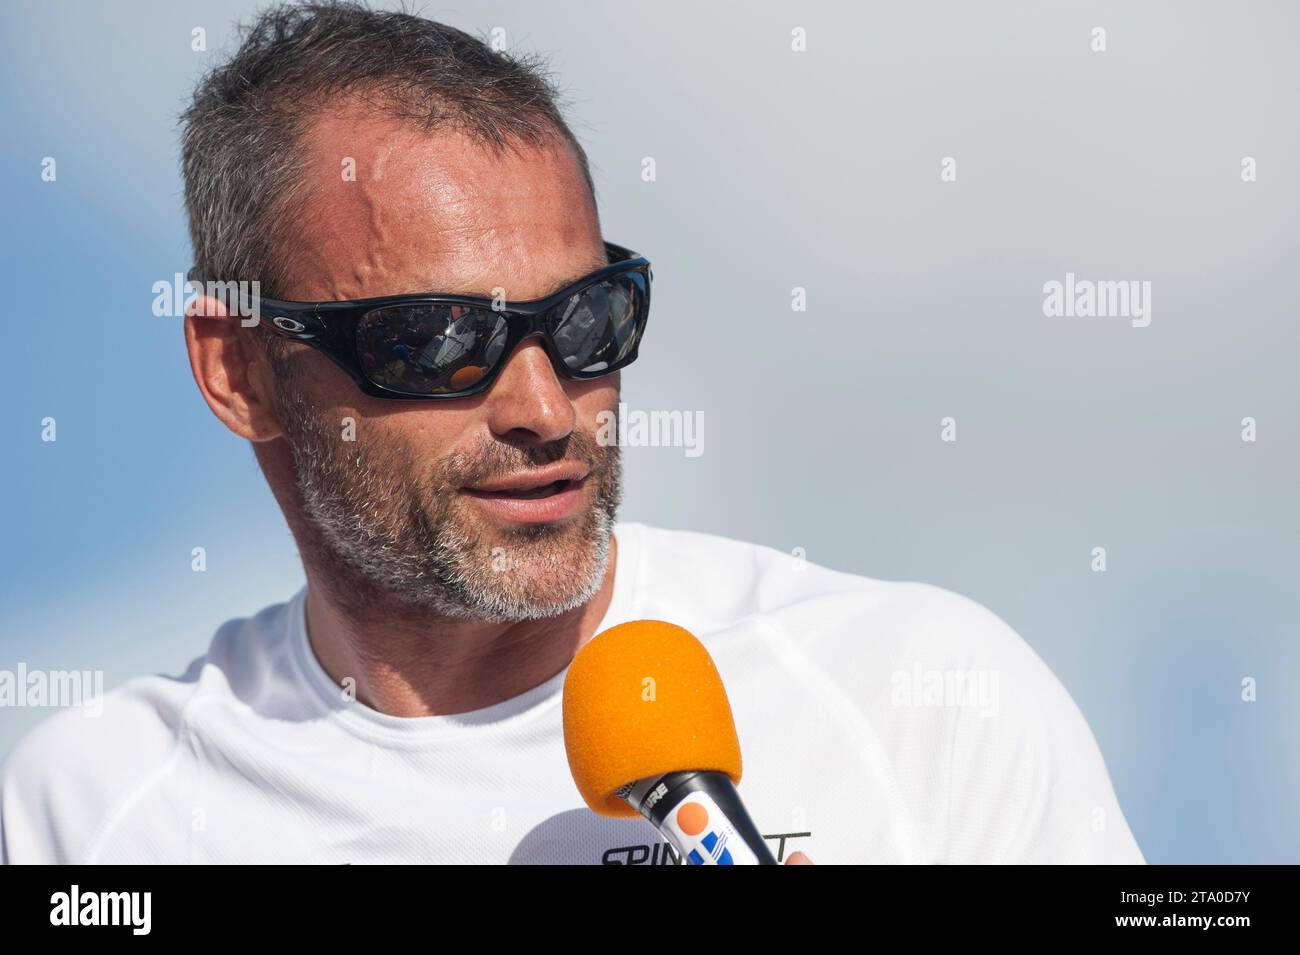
(390, 208)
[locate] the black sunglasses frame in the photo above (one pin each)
(329, 327)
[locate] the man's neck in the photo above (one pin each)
(443, 666)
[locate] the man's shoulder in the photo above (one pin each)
(726, 579)
(954, 694)
(881, 641)
(239, 654)
(74, 769)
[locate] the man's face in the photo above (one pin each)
(413, 508)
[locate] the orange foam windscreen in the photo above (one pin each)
(643, 699)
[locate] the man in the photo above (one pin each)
(456, 521)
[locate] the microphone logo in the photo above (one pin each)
(703, 842)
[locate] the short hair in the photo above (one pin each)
(241, 152)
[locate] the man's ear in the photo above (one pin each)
(229, 369)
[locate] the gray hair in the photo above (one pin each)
(241, 149)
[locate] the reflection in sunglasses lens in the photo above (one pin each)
(430, 349)
(596, 328)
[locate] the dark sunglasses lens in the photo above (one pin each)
(595, 330)
(430, 349)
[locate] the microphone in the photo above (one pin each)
(648, 730)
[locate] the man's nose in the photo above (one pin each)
(528, 402)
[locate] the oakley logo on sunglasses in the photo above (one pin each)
(288, 324)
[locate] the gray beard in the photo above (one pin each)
(381, 536)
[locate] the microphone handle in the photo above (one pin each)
(700, 813)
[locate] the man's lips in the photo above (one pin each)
(530, 485)
(548, 494)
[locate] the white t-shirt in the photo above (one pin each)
(878, 722)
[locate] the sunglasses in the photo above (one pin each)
(414, 347)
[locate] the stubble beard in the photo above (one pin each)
(383, 533)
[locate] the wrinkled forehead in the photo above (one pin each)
(388, 208)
